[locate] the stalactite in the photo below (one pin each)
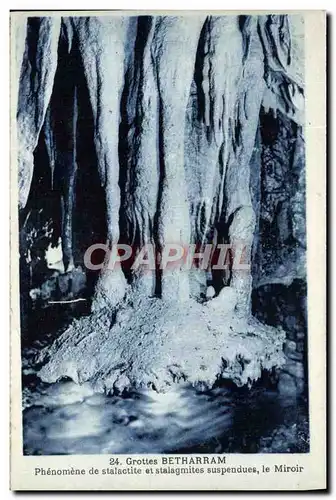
(101, 44)
(68, 195)
(50, 143)
(35, 87)
(174, 66)
(139, 149)
(237, 182)
(223, 47)
(286, 90)
(211, 134)
(20, 33)
(60, 133)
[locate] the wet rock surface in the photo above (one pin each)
(67, 418)
(157, 344)
(183, 421)
(286, 306)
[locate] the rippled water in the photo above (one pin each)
(65, 418)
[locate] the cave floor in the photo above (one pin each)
(66, 418)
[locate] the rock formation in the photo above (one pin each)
(181, 109)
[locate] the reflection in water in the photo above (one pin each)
(66, 418)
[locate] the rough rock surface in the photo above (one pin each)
(286, 305)
(281, 252)
(151, 343)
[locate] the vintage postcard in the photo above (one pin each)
(168, 276)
